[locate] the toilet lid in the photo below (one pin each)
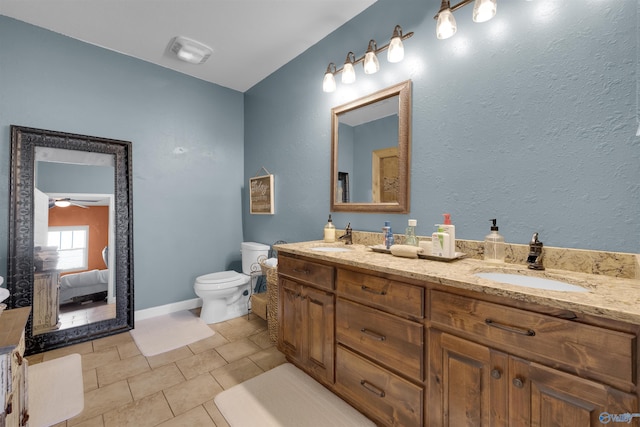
(222, 279)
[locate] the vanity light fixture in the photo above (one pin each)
(189, 50)
(369, 60)
(483, 10)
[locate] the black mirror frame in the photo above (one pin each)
(20, 267)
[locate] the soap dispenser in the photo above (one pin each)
(410, 233)
(330, 231)
(494, 245)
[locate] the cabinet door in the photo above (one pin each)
(467, 383)
(545, 397)
(318, 337)
(290, 313)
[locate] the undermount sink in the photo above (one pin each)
(330, 249)
(532, 282)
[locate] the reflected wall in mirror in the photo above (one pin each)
(70, 254)
(371, 152)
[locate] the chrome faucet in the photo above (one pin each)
(347, 236)
(535, 253)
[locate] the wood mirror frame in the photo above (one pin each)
(403, 92)
(20, 267)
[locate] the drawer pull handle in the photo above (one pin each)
(495, 373)
(373, 291)
(373, 335)
(18, 358)
(518, 383)
(373, 389)
(295, 270)
(508, 328)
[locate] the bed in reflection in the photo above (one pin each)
(79, 286)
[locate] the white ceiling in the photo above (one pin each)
(250, 38)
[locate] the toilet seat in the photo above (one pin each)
(221, 280)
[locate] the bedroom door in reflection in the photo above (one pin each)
(73, 229)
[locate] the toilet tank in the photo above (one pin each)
(251, 251)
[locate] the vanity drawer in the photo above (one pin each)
(390, 399)
(385, 294)
(318, 275)
(592, 351)
(388, 339)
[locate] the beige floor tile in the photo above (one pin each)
(147, 412)
(90, 380)
(169, 357)
(208, 343)
(197, 417)
(155, 380)
(102, 400)
(215, 414)
(35, 358)
(82, 348)
(189, 394)
(100, 358)
(128, 349)
(236, 372)
(93, 422)
(200, 363)
(112, 341)
(240, 327)
(262, 339)
(238, 349)
(122, 369)
(268, 359)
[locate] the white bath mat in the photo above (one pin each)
(56, 390)
(286, 397)
(170, 331)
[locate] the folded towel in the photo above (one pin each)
(406, 251)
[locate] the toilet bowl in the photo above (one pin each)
(225, 294)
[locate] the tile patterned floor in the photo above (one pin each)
(124, 388)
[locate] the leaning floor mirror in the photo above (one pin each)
(70, 236)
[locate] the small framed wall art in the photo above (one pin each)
(261, 194)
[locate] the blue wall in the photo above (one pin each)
(529, 118)
(187, 138)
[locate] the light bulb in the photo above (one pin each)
(371, 64)
(329, 82)
(446, 26)
(348, 73)
(396, 50)
(483, 10)
(62, 203)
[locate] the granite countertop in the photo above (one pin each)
(608, 297)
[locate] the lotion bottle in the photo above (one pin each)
(330, 231)
(494, 245)
(450, 229)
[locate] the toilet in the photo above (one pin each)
(225, 294)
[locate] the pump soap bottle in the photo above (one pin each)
(329, 231)
(494, 245)
(450, 229)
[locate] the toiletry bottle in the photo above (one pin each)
(494, 245)
(450, 229)
(329, 231)
(441, 244)
(389, 241)
(410, 233)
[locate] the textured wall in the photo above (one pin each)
(530, 118)
(187, 139)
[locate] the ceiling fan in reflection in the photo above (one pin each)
(66, 202)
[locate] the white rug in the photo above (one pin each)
(56, 390)
(170, 331)
(286, 397)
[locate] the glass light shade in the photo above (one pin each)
(371, 64)
(329, 82)
(483, 10)
(62, 203)
(446, 25)
(348, 73)
(396, 50)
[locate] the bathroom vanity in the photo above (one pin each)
(413, 342)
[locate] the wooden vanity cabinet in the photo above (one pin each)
(306, 311)
(492, 365)
(13, 368)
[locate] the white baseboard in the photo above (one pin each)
(168, 308)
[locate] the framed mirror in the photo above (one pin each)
(371, 152)
(70, 236)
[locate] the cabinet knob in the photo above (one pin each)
(496, 373)
(518, 382)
